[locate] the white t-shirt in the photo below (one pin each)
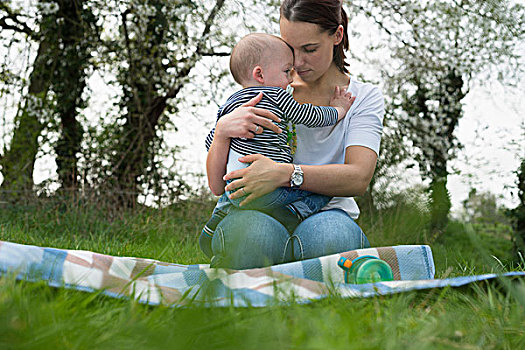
(362, 126)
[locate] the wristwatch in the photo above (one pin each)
(297, 177)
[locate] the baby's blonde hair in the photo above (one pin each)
(252, 50)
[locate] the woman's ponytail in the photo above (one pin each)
(339, 50)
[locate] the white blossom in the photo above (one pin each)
(48, 8)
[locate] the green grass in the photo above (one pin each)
(35, 316)
(169, 234)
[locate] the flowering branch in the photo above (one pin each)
(190, 62)
(17, 25)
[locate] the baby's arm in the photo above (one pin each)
(316, 116)
(216, 163)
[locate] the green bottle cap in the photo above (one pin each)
(369, 269)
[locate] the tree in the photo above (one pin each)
(17, 162)
(483, 207)
(518, 214)
(438, 49)
(157, 47)
(147, 50)
(77, 35)
(65, 31)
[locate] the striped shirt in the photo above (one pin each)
(282, 104)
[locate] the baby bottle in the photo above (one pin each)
(365, 269)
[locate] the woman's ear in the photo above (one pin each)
(338, 35)
(257, 74)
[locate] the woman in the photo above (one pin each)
(337, 161)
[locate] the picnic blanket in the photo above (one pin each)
(155, 282)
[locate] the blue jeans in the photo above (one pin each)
(289, 206)
(248, 238)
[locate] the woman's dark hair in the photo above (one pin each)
(328, 14)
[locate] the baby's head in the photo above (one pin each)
(261, 60)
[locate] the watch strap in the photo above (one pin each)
(297, 171)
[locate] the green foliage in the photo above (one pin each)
(483, 208)
(400, 216)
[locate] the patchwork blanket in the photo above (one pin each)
(155, 282)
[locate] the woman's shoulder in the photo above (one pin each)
(368, 96)
(364, 88)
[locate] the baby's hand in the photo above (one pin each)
(342, 101)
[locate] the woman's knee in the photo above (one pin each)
(327, 232)
(247, 238)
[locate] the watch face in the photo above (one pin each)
(297, 179)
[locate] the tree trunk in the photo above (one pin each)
(18, 161)
(519, 216)
(69, 83)
(138, 137)
(450, 106)
(59, 66)
(440, 201)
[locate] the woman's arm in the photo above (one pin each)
(242, 122)
(341, 180)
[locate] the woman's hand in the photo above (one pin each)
(246, 121)
(261, 177)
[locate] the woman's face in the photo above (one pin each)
(313, 47)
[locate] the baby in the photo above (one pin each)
(262, 63)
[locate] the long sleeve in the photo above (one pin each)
(306, 114)
(209, 139)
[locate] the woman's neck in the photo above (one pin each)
(328, 81)
(321, 90)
